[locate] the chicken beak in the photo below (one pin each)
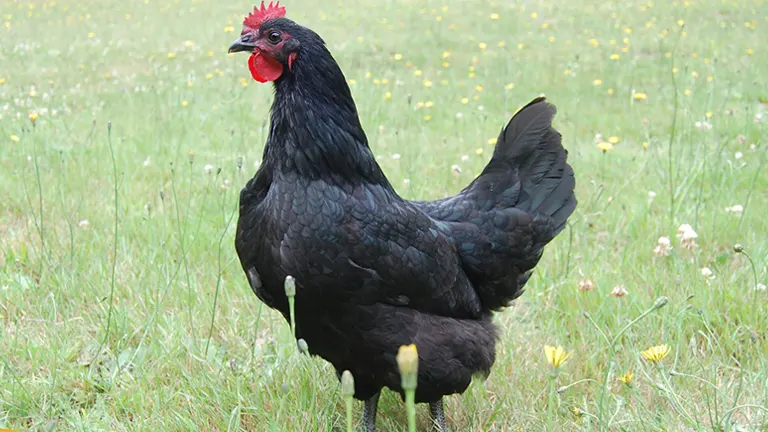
(243, 43)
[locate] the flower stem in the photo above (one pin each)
(551, 406)
(410, 408)
(349, 414)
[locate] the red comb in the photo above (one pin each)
(264, 13)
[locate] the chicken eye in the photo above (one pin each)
(274, 37)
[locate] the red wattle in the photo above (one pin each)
(264, 68)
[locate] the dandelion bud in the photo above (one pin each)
(162, 195)
(109, 126)
(303, 347)
(239, 162)
(191, 156)
(660, 302)
(347, 384)
(290, 286)
(408, 363)
(738, 248)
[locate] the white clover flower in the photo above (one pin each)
(663, 247)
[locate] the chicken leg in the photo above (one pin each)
(369, 413)
(438, 416)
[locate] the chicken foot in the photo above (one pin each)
(438, 415)
(369, 413)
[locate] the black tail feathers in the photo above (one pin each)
(532, 147)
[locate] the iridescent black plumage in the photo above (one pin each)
(374, 271)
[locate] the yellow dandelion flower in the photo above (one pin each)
(615, 56)
(605, 146)
(597, 82)
(627, 377)
(594, 42)
(695, 75)
(464, 101)
(208, 76)
(544, 26)
(171, 55)
(417, 72)
(708, 114)
(14, 138)
(446, 65)
(427, 117)
(687, 92)
(556, 356)
(710, 78)
(190, 84)
(385, 81)
(492, 141)
(229, 29)
(2, 80)
(33, 117)
(387, 95)
(520, 46)
(655, 353)
(534, 15)
(502, 44)
(352, 82)
(429, 104)
(551, 39)
(446, 54)
(479, 151)
(680, 22)
(610, 92)
(510, 86)
(613, 140)
(675, 70)
(184, 103)
(640, 96)
(494, 16)
(479, 88)
(645, 145)
(398, 57)
(482, 46)
(750, 51)
(419, 105)
(91, 34)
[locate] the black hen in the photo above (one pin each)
(374, 271)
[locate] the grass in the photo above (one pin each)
(123, 306)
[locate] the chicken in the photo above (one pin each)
(374, 271)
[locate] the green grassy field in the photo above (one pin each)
(123, 305)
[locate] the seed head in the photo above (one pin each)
(347, 384)
(290, 286)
